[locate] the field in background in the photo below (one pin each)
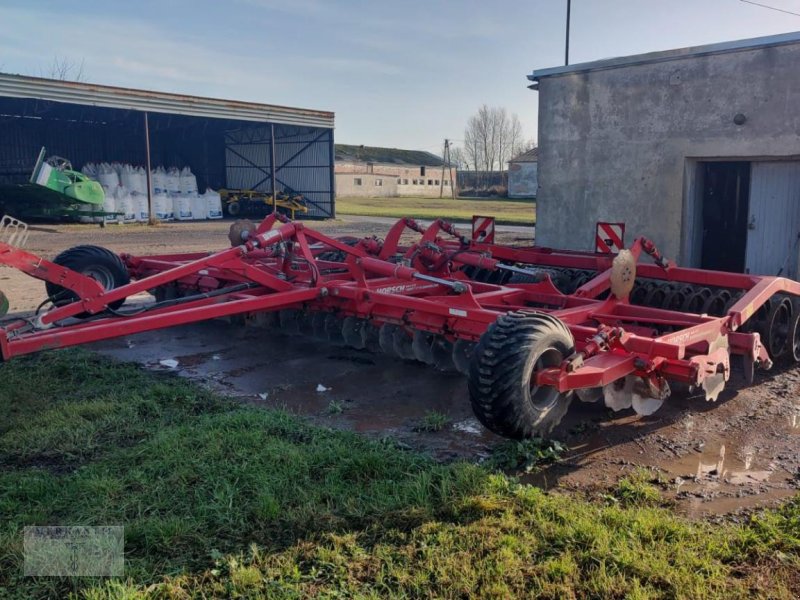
(224, 500)
(512, 212)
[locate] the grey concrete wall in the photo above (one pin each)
(523, 180)
(617, 144)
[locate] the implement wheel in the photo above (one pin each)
(96, 262)
(502, 390)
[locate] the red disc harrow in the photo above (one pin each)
(530, 327)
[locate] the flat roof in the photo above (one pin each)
(667, 55)
(72, 92)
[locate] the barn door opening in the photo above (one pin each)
(773, 236)
(725, 204)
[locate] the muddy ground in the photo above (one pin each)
(712, 458)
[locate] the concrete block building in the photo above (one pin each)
(697, 149)
(369, 171)
(523, 175)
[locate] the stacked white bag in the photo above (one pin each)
(197, 206)
(175, 194)
(181, 207)
(159, 180)
(213, 204)
(162, 203)
(124, 203)
(109, 179)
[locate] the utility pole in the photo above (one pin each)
(566, 45)
(446, 162)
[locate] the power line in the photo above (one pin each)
(788, 12)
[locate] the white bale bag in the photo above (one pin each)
(107, 177)
(198, 204)
(188, 182)
(124, 203)
(127, 176)
(140, 208)
(213, 204)
(173, 182)
(162, 206)
(182, 207)
(158, 178)
(90, 170)
(140, 181)
(110, 205)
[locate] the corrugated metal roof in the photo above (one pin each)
(667, 55)
(386, 156)
(20, 86)
(531, 155)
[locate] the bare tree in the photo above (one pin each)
(492, 137)
(65, 69)
(458, 158)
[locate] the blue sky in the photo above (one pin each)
(406, 73)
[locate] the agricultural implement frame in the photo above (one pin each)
(491, 311)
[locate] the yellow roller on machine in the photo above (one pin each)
(253, 203)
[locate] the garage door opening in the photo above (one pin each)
(724, 204)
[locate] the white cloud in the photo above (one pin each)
(126, 52)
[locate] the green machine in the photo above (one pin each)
(55, 173)
(54, 192)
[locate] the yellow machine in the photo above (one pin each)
(249, 202)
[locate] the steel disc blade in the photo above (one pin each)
(618, 395)
(442, 351)
(386, 337)
(318, 324)
(370, 336)
(402, 344)
(351, 332)
(333, 329)
(421, 346)
(645, 405)
(589, 394)
(462, 355)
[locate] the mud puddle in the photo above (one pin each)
(709, 458)
(337, 387)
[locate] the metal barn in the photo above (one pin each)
(230, 144)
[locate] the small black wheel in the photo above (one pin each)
(234, 209)
(776, 331)
(794, 335)
(503, 393)
(96, 262)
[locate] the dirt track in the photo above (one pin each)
(739, 453)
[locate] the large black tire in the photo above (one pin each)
(501, 371)
(99, 263)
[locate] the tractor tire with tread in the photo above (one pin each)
(502, 367)
(97, 262)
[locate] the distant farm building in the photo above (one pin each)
(368, 171)
(523, 175)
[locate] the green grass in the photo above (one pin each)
(513, 212)
(220, 500)
(433, 421)
(525, 456)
